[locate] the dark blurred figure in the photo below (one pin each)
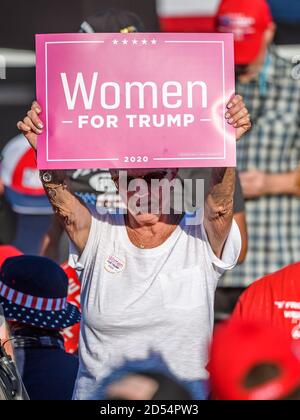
(287, 17)
(11, 386)
(112, 20)
(251, 361)
(147, 386)
(7, 218)
(33, 293)
(25, 194)
(268, 157)
(149, 379)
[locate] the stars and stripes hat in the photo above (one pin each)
(34, 291)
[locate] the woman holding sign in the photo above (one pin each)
(148, 278)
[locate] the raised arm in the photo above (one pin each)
(219, 203)
(72, 213)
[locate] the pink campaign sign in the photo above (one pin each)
(135, 100)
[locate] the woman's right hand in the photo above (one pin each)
(32, 126)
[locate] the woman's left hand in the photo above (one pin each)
(238, 116)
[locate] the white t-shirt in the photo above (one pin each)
(135, 301)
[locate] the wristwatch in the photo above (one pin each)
(53, 177)
(46, 177)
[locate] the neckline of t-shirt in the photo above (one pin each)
(150, 252)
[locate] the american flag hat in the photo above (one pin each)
(34, 291)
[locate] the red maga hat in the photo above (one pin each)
(247, 20)
(238, 348)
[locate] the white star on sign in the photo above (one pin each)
(135, 42)
(125, 41)
(154, 42)
(115, 42)
(144, 42)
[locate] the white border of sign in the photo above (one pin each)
(207, 157)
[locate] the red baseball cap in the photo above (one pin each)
(247, 20)
(7, 251)
(238, 348)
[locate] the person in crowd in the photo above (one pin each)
(251, 361)
(6, 251)
(268, 159)
(11, 385)
(274, 299)
(25, 193)
(148, 279)
(71, 333)
(33, 293)
(7, 217)
(95, 186)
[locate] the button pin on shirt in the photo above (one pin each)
(114, 264)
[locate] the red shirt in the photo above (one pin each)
(274, 299)
(71, 334)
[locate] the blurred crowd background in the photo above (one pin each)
(23, 20)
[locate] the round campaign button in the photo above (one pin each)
(114, 264)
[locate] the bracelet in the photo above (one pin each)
(52, 177)
(52, 188)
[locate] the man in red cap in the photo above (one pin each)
(275, 299)
(268, 159)
(253, 29)
(251, 361)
